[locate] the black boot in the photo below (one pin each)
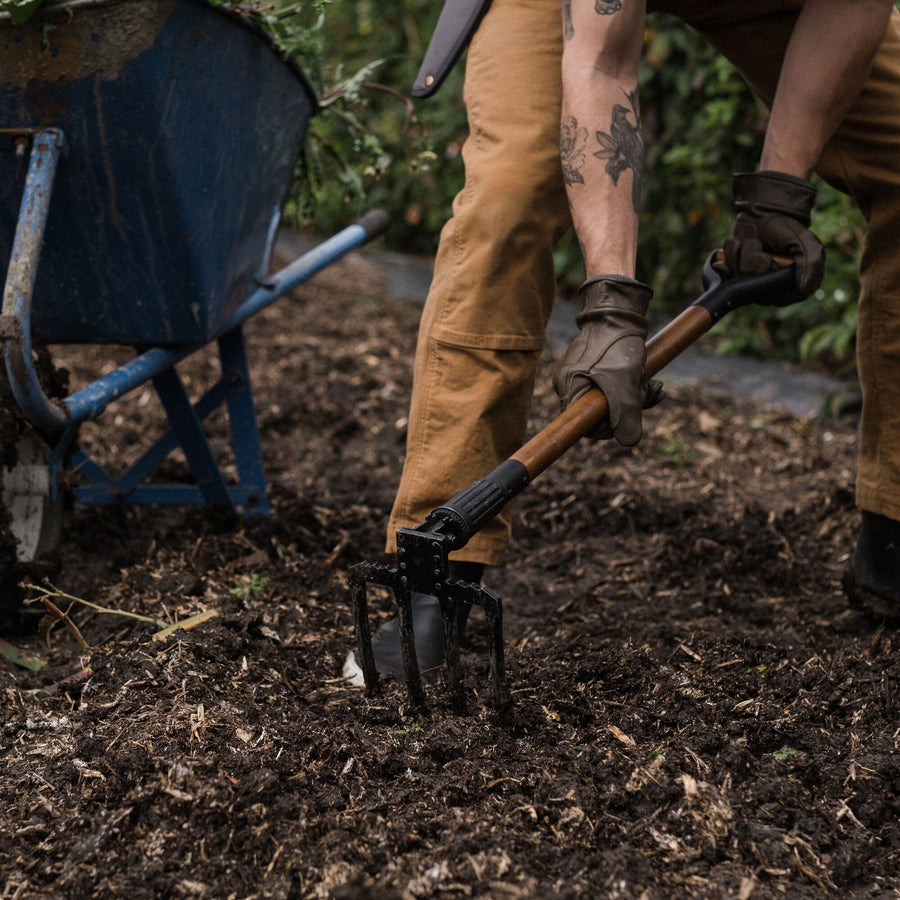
(872, 580)
(428, 628)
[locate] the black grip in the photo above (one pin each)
(722, 295)
(473, 507)
(374, 223)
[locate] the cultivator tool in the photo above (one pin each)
(423, 552)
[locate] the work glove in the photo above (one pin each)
(773, 217)
(609, 353)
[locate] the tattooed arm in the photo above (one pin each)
(826, 65)
(600, 138)
(602, 160)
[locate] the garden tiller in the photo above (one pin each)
(423, 552)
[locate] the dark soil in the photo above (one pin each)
(697, 712)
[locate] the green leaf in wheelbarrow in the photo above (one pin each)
(11, 654)
(20, 10)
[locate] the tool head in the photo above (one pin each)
(423, 567)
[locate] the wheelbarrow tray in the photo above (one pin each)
(182, 127)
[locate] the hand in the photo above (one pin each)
(609, 353)
(773, 217)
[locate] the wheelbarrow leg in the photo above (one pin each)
(187, 425)
(245, 441)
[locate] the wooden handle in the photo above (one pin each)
(591, 408)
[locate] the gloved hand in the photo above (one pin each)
(609, 353)
(773, 217)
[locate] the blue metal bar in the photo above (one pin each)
(232, 388)
(193, 441)
(155, 455)
(88, 467)
(242, 421)
(20, 280)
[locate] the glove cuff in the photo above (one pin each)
(774, 192)
(617, 292)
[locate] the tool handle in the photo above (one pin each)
(720, 297)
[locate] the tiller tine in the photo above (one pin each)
(422, 552)
(422, 565)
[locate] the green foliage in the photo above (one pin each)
(701, 123)
(20, 10)
(252, 586)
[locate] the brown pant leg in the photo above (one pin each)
(863, 160)
(484, 322)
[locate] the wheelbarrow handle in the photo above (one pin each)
(473, 507)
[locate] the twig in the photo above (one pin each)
(55, 592)
(64, 618)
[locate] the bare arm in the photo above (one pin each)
(601, 146)
(826, 65)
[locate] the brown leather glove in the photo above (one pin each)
(609, 353)
(773, 217)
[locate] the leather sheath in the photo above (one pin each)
(455, 26)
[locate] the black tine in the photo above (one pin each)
(357, 579)
(408, 644)
(453, 596)
(493, 609)
(454, 676)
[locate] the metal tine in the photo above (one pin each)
(357, 581)
(452, 594)
(386, 576)
(402, 596)
(493, 610)
(455, 594)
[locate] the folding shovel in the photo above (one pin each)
(423, 552)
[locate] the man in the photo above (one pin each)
(484, 320)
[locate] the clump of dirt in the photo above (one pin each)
(697, 712)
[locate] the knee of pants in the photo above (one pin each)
(494, 280)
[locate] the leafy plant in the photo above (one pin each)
(252, 586)
(20, 10)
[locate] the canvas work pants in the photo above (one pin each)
(483, 326)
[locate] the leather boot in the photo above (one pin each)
(872, 580)
(428, 628)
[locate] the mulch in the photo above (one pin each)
(697, 711)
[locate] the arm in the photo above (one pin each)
(826, 65)
(601, 147)
(602, 160)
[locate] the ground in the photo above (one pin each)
(697, 712)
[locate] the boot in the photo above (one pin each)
(872, 580)
(428, 628)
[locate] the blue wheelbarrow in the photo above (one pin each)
(146, 150)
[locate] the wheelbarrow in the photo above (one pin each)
(146, 150)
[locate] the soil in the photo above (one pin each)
(697, 711)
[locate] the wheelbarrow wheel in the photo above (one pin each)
(30, 522)
(35, 513)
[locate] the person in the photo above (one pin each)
(484, 321)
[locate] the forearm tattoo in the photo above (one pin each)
(601, 7)
(572, 145)
(623, 148)
(568, 27)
